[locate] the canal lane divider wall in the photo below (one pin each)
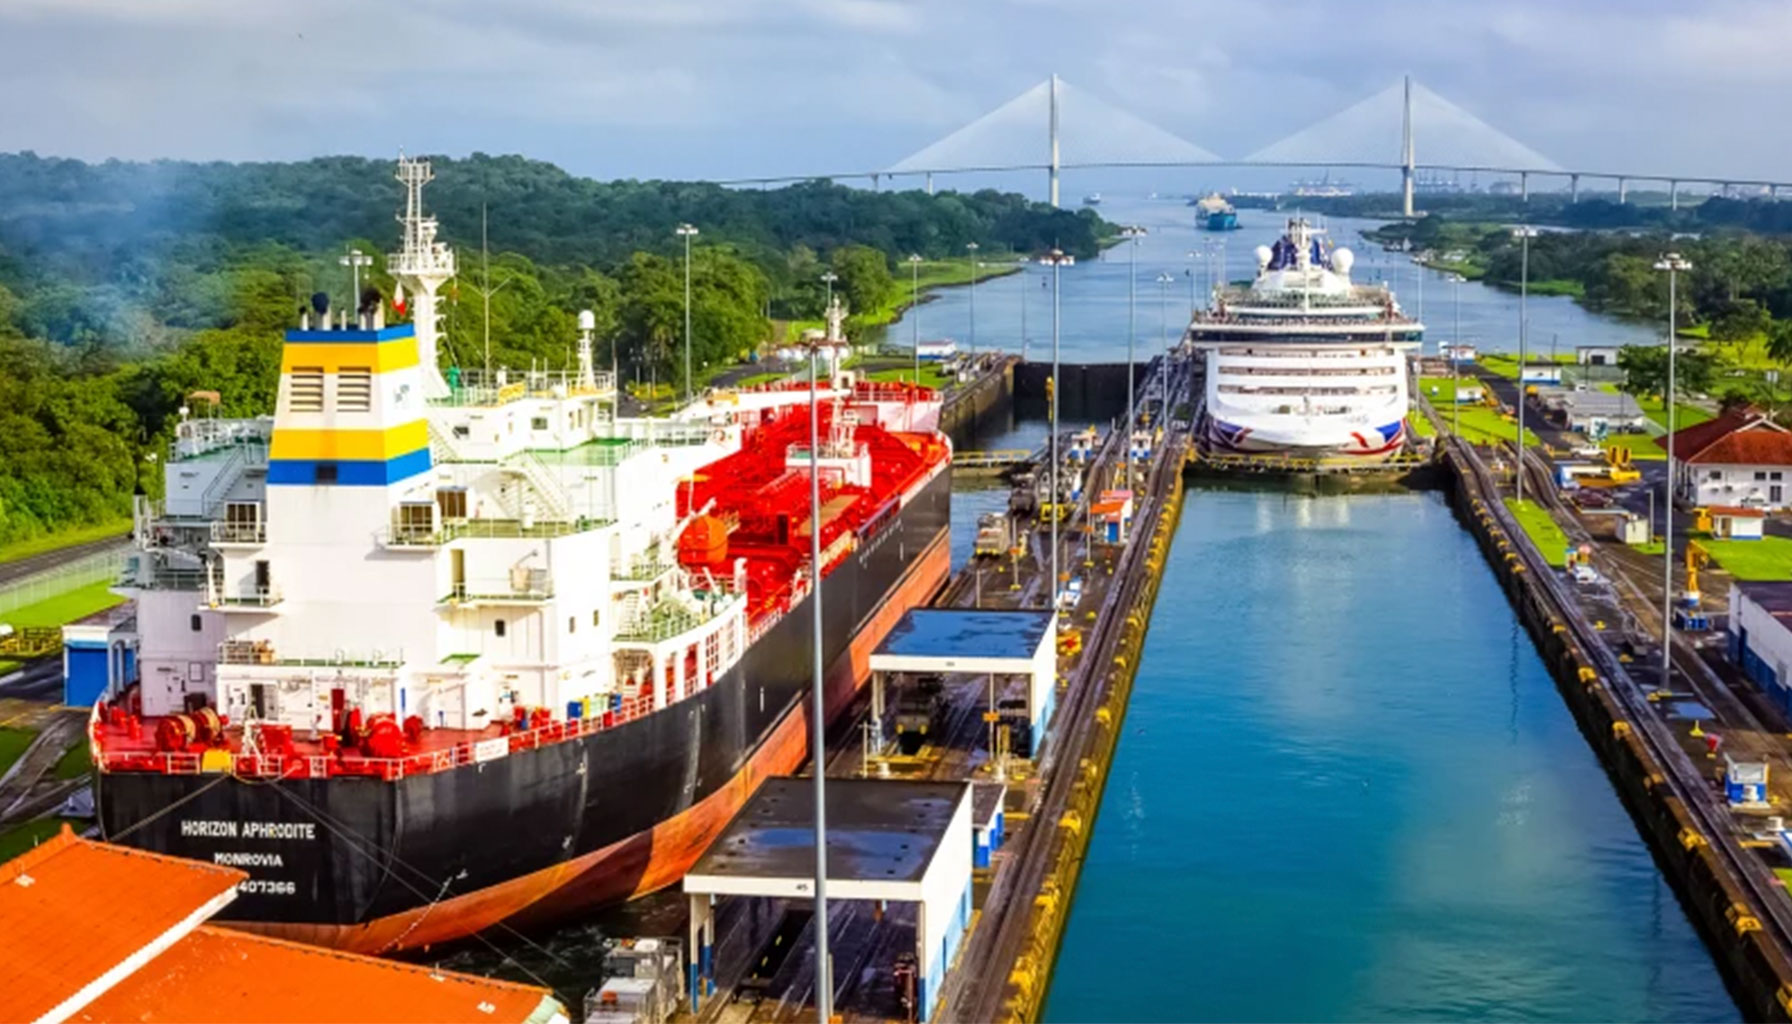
(1738, 908)
(1025, 945)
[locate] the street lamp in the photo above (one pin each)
(1132, 235)
(1056, 258)
(1456, 359)
(972, 248)
(1674, 264)
(687, 232)
(824, 986)
(1524, 235)
(1163, 307)
(355, 259)
(914, 310)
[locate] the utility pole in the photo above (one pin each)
(1456, 360)
(1674, 264)
(1056, 258)
(1132, 235)
(824, 980)
(914, 310)
(1524, 234)
(972, 248)
(687, 232)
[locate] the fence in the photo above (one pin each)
(101, 566)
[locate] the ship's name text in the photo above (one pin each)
(213, 829)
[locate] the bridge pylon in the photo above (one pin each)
(1406, 152)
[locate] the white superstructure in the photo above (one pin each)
(452, 547)
(1304, 361)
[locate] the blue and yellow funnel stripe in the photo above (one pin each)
(381, 351)
(364, 450)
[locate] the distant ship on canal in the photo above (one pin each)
(1303, 361)
(1214, 213)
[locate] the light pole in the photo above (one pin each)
(1056, 259)
(914, 310)
(824, 982)
(1025, 281)
(1456, 359)
(1674, 264)
(1524, 235)
(355, 259)
(687, 232)
(1163, 307)
(1192, 258)
(972, 248)
(1132, 235)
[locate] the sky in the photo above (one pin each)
(725, 89)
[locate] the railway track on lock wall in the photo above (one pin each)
(1685, 781)
(980, 989)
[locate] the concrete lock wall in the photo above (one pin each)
(1757, 974)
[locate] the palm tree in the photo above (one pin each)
(1779, 349)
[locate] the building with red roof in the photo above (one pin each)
(1740, 459)
(95, 932)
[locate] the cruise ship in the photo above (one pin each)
(427, 651)
(1303, 361)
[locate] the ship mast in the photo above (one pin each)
(421, 268)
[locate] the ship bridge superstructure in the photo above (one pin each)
(1303, 359)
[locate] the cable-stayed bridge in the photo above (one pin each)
(1054, 127)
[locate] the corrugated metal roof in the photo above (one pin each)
(220, 976)
(73, 913)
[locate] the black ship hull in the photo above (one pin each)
(378, 866)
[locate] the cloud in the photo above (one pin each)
(720, 87)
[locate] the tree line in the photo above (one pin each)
(124, 287)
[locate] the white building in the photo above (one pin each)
(1761, 637)
(1741, 458)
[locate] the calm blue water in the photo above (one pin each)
(1093, 294)
(1348, 791)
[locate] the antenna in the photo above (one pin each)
(485, 277)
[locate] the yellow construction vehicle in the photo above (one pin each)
(1622, 470)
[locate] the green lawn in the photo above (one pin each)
(930, 375)
(23, 837)
(1549, 539)
(1421, 424)
(1479, 424)
(1769, 558)
(1559, 286)
(12, 744)
(1684, 415)
(1506, 363)
(75, 762)
(1642, 446)
(64, 608)
(63, 539)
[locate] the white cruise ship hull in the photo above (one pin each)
(1302, 438)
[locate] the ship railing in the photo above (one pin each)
(263, 652)
(255, 597)
(642, 570)
(196, 438)
(526, 585)
(483, 529)
(614, 711)
(239, 533)
(477, 388)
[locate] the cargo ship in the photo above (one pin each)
(427, 651)
(1302, 361)
(1214, 213)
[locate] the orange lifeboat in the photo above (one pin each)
(704, 542)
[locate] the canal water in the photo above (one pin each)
(1347, 790)
(1093, 304)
